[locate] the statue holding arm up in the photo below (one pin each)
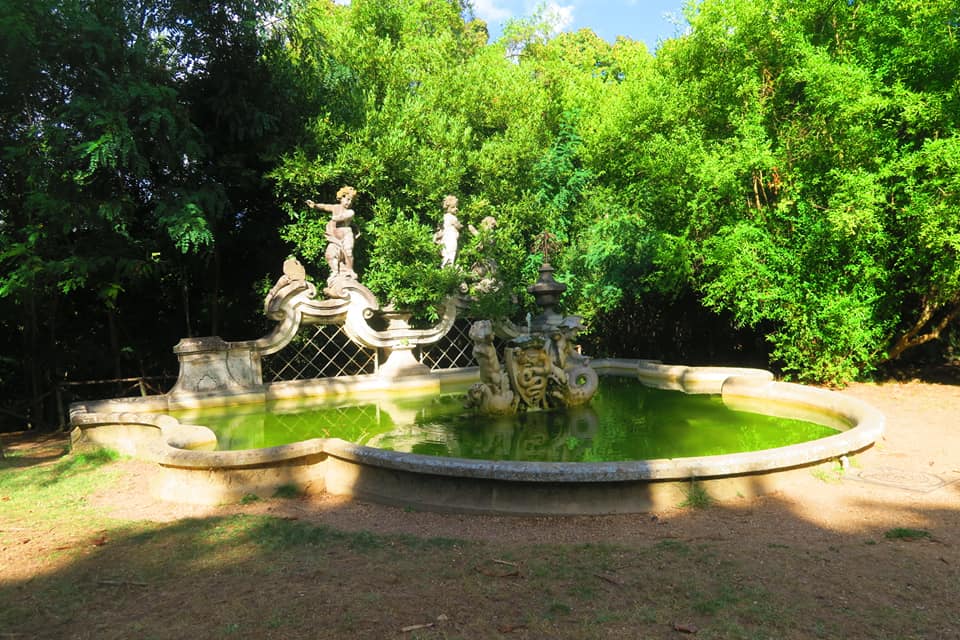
(339, 233)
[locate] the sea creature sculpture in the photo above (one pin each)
(541, 370)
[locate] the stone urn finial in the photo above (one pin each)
(547, 291)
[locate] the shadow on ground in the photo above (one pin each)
(87, 554)
(281, 569)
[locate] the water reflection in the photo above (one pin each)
(625, 421)
(548, 436)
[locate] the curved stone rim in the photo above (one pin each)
(173, 444)
(867, 426)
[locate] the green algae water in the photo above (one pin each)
(625, 421)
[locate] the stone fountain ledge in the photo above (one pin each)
(191, 471)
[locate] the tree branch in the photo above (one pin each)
(913, 336)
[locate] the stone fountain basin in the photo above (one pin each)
(189, 470)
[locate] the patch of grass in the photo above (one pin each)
(905, 533)
(57, 490)
(288, 492)
(75, 465)
(713, 603)
(284, 534)
(583, 592)
(828, 473)
(276, 534)
(47, 474)
(604, 617)
(677, 546)
(647, 614)
(249, 498)
(95, 457)
(365, 541)
(696, 496)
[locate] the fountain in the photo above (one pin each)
(540, 382)
(542, 368)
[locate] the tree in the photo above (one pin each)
(823, 136)
(130, 134)
(433, 112)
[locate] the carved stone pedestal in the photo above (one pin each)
(401, 362)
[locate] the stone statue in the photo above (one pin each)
(339, 233)
(295, 274)
(541, 370)
(487, 226)
(485, 273)
(448, 236)
(574, 378)
(529, 369)
(492, 395)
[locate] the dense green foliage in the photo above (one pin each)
(785, 169)
(133, 139)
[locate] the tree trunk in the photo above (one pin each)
(215, 292)
(114, 343)
(186, 308)
(32, 363)
(914, 336)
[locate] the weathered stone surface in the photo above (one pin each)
(210, 364)
(428, 482)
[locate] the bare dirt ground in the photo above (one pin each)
(819, 553)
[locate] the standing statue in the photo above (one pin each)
(339, 233)
(448, 235)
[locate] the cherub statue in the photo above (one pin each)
(485, 271)
(339, 233)
(448, 236)
(487, 226)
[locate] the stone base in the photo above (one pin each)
(402, 363)
(428, 492)
(190, 474)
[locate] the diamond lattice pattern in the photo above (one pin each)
(322, 351)
(351, 422)
(452, 350)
